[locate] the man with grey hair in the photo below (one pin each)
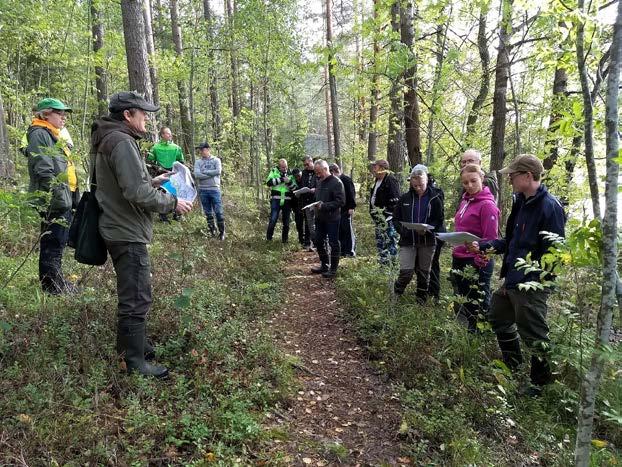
(473, 156)
(330, 197)
(346, 232)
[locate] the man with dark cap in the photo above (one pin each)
(346, 231)
(385, 194)
(207, 171)
(127, 196)
(517, 314)
(52, 171)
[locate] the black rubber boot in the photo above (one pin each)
(510, 350)
(323, 265)
(211, 227)
(541, 374)
(334, 264)
(149, 350)
(221, 230)
(131, 342)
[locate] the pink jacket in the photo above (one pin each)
(477, 214)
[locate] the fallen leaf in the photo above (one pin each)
(306, 460)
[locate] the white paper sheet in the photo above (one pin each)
(458, 238)
(311, 205)
(181, 180)
(417, 226)
(302, 191)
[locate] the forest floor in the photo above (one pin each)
(344, 411)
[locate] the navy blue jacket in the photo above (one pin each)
(540, 213)
(405, 212)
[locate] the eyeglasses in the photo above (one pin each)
(514, 174)
(62, 113)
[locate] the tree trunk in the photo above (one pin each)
(267, 128)
(411, 117)
(329, 115)
(502, 72)
(441, 39)
(560, 84)
(136, 47)
(101, 86)
(589, 386)
(213, 91)
(153, 73)
(332, 81)
(588, 114)
(372, 138)
(484, 84)
(235, 92)
(7, 166)
(395, 143)
(184, 113)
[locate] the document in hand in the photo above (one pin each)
(302, 191)
(311, 205)
(417, 226)
(458, 238)
(180, 183)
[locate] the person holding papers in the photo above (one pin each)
(418, 213)
(477, 214)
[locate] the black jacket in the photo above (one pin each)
(387, 197)
(348, 186)
(310, 181)
(435, 216)
(331, 193)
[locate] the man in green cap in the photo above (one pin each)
(51, 171)
(165, 153)
(127, 196)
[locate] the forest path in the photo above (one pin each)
(343, 412)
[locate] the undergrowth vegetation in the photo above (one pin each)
(461, 405)
(64, 399)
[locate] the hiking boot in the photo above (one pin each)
(323, 268)
(131, 343)
(330, 274)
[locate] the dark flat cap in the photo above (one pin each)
(130, 100)
(203, 145)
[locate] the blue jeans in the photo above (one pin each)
(275, 209)
(386, 241)
(212, 204)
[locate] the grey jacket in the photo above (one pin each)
(207, 173)
(124, 191)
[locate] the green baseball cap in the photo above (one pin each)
(51, 103)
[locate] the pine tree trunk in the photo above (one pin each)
(502, 73)
(101, 85)
(334, 107)
(153, 73)
(372, 137)
(589, 387)
(136, 47)
(411, 118)
(484, 84)
(588, 114)
(213, 91)
(395, 143)
(184, 113)
(235, 92)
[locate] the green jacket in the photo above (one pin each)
(165, 154)
(124, 191)
(279, 188)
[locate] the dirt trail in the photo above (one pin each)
(343, 412)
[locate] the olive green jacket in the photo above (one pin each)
(124, 191)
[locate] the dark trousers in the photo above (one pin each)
(275, 209)
(330, 231)
(131, 263)
(299, 218)
(474, 286)
(51, 246)
(346, 235)
(434, 287)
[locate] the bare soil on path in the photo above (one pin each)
(343, 412)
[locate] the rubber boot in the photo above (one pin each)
(211, 227)
(131, 342)
(221, 230)
(334, 264)
(149, 349)
(510, 350)
(541, 374)
(323, 265)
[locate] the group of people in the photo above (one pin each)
(323, 201)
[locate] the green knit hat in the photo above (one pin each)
(51, 103)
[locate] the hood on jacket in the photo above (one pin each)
(484, 194)
(106, 125)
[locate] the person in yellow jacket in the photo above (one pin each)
(51, 171)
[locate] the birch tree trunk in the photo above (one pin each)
(411, 118)
(101, 85)
(136, 47)
(588, 113)
(589, 386)
(184, 113)
(502, 73)
(372, 138)
(334, 107)
(484, 84)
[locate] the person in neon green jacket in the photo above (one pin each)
(164, 154)
(282, 184)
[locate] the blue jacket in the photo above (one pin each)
(540, 213)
